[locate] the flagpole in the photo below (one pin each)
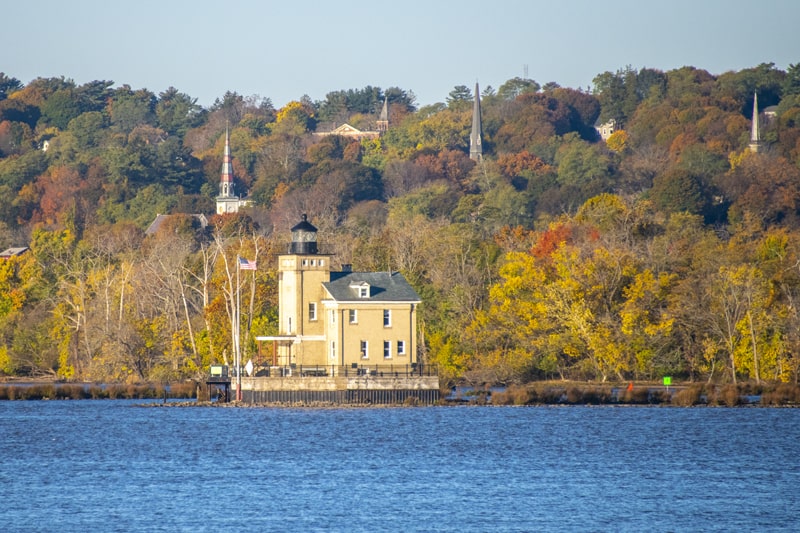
(238, 357)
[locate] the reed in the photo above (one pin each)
(783, 394)
(691, 395)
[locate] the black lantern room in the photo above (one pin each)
(304, 238)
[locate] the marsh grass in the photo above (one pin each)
(91, 391)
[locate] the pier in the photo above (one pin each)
(345, 385)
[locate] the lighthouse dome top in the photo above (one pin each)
(304, 225)
(304, 238)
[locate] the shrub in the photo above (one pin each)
(41, 391)
(638, 395)
(688, 397)
(183, 389)
(96, 392)
(659, 396)
(515, 395)
(783, 394)
(730, 396)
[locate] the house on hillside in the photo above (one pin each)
(351, 132)
(605, 129)
(348, 131)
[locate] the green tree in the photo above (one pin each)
(459, 98)
(177, 112)
(129, 108)
(514, 87)
(8, 85)
(61, 107)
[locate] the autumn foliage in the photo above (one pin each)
(669, 249)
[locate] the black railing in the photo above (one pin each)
(354, 370)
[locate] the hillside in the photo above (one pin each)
(671, 248)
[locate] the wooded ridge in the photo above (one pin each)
(671, 247)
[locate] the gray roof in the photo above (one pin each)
(13, 252)
(383, 287)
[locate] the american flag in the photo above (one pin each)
(244, 264)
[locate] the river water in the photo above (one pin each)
(116, 466)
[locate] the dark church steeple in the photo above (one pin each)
(475, 141)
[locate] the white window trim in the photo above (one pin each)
(387, 349)
(364, 349)
(401, 347)
(387, 318)
(353, 316)
(312, 311)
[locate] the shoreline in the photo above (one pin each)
(185, 394)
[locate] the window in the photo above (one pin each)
(321, 262)
(353, 316)
(305, 262)
(333, 350)
(387, 349)
(333, 316)
(289, 328)
(312, 311)
(364, 350)
(401, 347)
(363, 292)
(387, 318)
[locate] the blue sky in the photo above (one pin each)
(283, 50)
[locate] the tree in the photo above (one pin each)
(129, 108)
(94, 95)
(514, 87)
(677, 191)
(177, 112)
(88, 129)
(8, 85)
(61, 107)
(580, 163)
(791, 83)
(459, 98)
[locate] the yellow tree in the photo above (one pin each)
(505, 335)
(618, 141)
(644, 321)
(738, 296)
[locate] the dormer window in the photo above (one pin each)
(361, 289)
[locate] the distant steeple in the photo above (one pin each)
(755, 136)
(226, 180)
(383, 119)
(227, 201)
(475, 142)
